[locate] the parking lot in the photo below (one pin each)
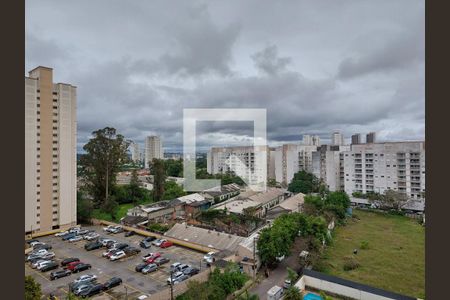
(134, 283)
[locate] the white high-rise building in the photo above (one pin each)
(242, 160)
(135, 152)
(337, 139)
(153, 149)
(311, 140)
(291, 158)
(327, 165)
(377, 167)
(50, 152)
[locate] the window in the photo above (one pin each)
(54, 127)
(55, 135)
(38, 156)
(38, 185)
(55, 155)
(55, 121)
(38, 215)
(38, 90)
(55, 163)
(38, 193)
(55, 183)
(38, 105)
(38, 120)
(55, 93)
(55, 114)
(55, 107)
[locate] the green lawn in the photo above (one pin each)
(121, 212)
(394, 260)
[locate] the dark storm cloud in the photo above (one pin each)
(317, 67)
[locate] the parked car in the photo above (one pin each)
(93, 245)
(158, 242)
(59, 274)
(50, 266)
(40, 263)
(69, 260)
(42, 246)
(287, 284)
(180, 279)
(131, 251)
(93, 290)
(61, 233)
(109, 252)
(36, 244)
(108, 228)
(68, 236)
(182, 267)
(73, 285)
(85, 278)
(35, 262)
(84, 232)
(191, 271)
(110, 244)
(150, 255)
(74, 229)
(174, 277)
(118, 255)
(129, 233)
(161, 260)
(31, 241)
(82, 287)
(151, 259)
(209, 257)
(81, 267)
(112, 282)
(145, 244)
(116, 229)
(38, 252)
(76, 238)
(120, 246)
(140, 266)
(149, 268)
(166, 244)
(91, 236)
(174, 266)
(71, 266)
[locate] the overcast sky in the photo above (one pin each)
(316, 66)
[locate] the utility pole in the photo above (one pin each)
(254, 257)
(126, 292)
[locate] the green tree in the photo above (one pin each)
(32, 289)
(304, 182)
(393, 199)
(110, 206)
(172, 190)
(84, 207)
(247, 296)
(174, 167)
(134, 187)
(292, 293)
(272, 182)
(292, 275)
(106, 152)
(71, 296)
(159, 179)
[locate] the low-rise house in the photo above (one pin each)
(160, 212)
(222, 193)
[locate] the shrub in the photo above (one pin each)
(364, 245)
(350, 263)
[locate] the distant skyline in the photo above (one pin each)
(316, 66)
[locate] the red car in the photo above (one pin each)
(152, 258)
(166, 244)
(71, 266)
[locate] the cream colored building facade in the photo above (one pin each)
(153, 149)
(50, 152)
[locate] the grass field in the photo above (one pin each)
(394, 259)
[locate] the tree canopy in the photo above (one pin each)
(32, 289)
(105, 153)
(304, 182)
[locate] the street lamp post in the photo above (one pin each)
(126, 292)
(171, 285)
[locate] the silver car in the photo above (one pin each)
(149, 268)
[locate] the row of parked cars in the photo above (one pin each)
(150, 240)
(180, 272)
(87, 285)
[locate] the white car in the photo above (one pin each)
(61, 233)
(116, 229)
(37, 263)
(43, 264)
(91, 236)
(209, 257)
(117, 255)
(48, 255)
(74, 229)
(75, 239)
(106, 241)
(158, 242)
(175, 276)
(32, 244)
(85, 278)
(108, 228)
(39, 252)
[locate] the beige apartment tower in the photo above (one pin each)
(50, 152)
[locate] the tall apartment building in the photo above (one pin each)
(242, 160)
(326, 163)
(135, 152)
(337, 138)
(356, 139)
(50, 152)
(377, 167)
(153, 149)
(371, 137)
(291, 158)
(311, 140)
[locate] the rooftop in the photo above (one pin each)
(292, 203)
(205, 237)
(265, 197)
